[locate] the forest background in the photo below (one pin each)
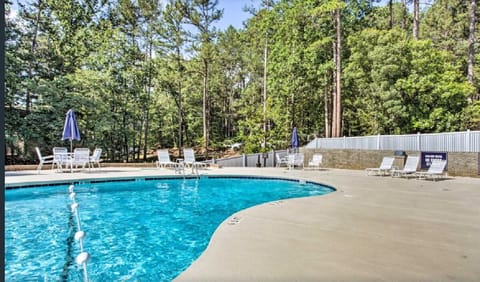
(143, 75)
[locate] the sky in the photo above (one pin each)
(233, 13)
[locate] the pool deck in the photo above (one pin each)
(372, 228)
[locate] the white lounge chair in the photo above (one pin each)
(95, 158)
(190, 161)
(295, 159)
(164, 159)
(81, 157)
(385, 167)
(281, 160)
(43, 159)
(60, 157)
(316, 161)
(410, 167)
(434, 172)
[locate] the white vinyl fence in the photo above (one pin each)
(467, 141)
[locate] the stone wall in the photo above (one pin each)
(464, 164)
(459, 164)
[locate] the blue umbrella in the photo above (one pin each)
(294, 142)
(70, 129)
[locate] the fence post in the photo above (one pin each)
(419, 139)
(378, 141)
(274, 159)
(467, 145)
(244, 160)
(344, 142)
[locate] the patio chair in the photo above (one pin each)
(295, 159)
(190, 161)
(316, 161)
(410, 167)
(164, 159)
(81, 157)
(60, 157)
(281, 160)
(385, 167)
(43, 159)
(434, 172)
(95, 158)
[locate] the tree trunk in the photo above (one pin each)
(205, 95)
(334, 92)
(230, 114)
(147, 110)
(265, 57)
(28, 98)
(338, 96)
(180, 107)
(125, 137)
(226, 114)
(292, 118)
(404, 14)
(327, 109)
(390, 14)
(471, 42)
(416, 8)
(201, 14)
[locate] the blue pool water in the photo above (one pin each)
(137, 230)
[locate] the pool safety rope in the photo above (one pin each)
(83, 257)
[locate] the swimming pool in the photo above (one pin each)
(137, 229)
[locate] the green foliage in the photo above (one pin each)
(135, 74)
(472, 116)
(406, 86)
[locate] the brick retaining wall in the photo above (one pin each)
(459, 164)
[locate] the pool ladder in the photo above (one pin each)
(83, 257)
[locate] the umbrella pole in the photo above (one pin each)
(71, 146)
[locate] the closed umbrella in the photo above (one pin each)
(70, 129)
(294, 141)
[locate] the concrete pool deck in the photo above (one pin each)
(371, 229)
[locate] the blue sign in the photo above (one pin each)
(428, 157)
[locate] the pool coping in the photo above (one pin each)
(74, 181)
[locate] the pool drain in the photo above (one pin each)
(234, 220)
